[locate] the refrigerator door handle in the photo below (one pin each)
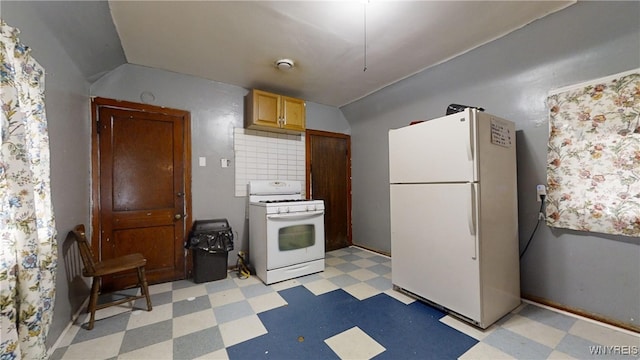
(471, 138)
(472, 220)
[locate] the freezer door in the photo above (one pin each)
(434, 248)
(439, 150)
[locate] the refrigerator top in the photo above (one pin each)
(449, 149)
(434, 151)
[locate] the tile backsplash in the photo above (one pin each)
(263, 155)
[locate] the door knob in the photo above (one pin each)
(177, 216)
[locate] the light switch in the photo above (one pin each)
(202, 161)
(224, 163)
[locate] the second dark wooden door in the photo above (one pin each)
(330, 180)
(142, 191)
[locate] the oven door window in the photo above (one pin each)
(296, 237)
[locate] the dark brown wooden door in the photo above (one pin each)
(329, 179)
(142, 191)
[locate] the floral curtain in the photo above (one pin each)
(28, 250)
(593, 170)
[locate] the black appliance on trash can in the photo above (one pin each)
(210, 242)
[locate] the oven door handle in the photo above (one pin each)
(296, 216)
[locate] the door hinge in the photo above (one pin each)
(98, 126)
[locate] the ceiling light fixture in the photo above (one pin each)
(284, 64)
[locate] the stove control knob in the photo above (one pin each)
(286, 209)
(311, 207)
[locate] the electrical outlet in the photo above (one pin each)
(540, 190)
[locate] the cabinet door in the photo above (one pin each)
(266, 109)
(293, 111)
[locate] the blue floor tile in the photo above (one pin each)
(299, 329)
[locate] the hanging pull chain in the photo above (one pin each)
(365, 37)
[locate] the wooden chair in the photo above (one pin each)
(97, 269)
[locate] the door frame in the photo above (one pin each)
(96, 104)
(308, 134)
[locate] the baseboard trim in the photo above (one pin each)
(74, 318)
(372, 250)
(582, 313)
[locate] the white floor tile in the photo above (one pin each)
(363, 274)
(240, 330)
(354, 344)
(192, 291)
(330, 272)
(534, 330)
(320, 287)
(143, 318)
(333, 261)
(603, 335)
(193, 322)
(251, 280)
(283, 285)
(467, 328)
(163, 350)
(226, 297)
(400, 296)
(557, 355)
(160, 288)
(482, 351)
(364, 263)
(520, 307)
(361, 291)
(101, 348)
(113, 310)
(266, 302)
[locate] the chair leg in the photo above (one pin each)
(142, 279)
(93, 301)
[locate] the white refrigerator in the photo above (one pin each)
(454, 225)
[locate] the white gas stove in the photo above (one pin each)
(286, 232)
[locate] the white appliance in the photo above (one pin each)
(454, 226)
(286, 232)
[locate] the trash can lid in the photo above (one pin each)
(210, 225)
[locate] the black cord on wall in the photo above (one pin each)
(540, 218)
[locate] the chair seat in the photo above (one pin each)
(115, 265)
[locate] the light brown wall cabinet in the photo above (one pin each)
(272, 112)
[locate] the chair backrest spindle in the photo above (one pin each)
(85, 250)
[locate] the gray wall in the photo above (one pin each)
(216, 109)
(510, 77)
(326, 118)
(67, 107)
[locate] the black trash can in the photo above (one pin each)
(210, 242)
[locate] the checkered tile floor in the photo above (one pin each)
(349, 311)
